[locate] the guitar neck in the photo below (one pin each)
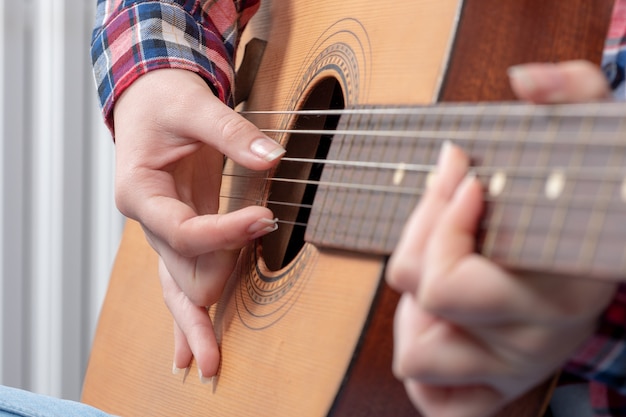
(554, 180)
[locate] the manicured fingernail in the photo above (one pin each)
(203, 379)
(549, 86)
(176, 370)
(444, 154)
(468, 181)
(267, 149)
(519, 75)
(470, 177)
(262, 227)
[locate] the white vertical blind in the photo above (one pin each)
(60, 229)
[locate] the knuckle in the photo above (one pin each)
(403, 273)
(406, 365)
(177, 244)
(180, 244)
(228, 236)
(123, 199)
(233, 127)
(205, 295)
(433, 298)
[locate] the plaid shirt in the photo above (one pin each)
(134, 37)
(602, 359)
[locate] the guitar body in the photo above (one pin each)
(306, 330)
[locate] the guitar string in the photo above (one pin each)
(600, 110)
(615, 175)
(487, 136)
(514, 110)
(582, 173)
(508, 198)
(485, 223)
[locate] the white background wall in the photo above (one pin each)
(58, 223)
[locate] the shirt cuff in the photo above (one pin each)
(154, 35)
(602, 358)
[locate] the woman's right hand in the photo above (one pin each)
(171, 135)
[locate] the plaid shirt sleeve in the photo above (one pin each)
(131, 38)
(602, 359)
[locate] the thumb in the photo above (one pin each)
(211, 121)
(566, 82)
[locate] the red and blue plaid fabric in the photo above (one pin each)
(133, 37)
(602, 359)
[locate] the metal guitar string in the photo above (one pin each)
(605, 174)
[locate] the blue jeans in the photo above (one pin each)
(18, 403)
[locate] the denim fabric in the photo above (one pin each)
(18, 403)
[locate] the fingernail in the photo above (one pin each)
(467, 182)
(519, 75)
(176, 370)
(262, 227)
(444, 154)
(204, 380)
(549, 86)
(470, 177)
(267, 149)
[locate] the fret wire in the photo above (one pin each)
(583, 260)
(597, 222)
(497, 212)
(365, 151)
(560, 211)
(368, 197)
(527, 207)
(336, 172)
(597, 139)
(394, 205)
(376, 206)
(323, 226)
(352, 148)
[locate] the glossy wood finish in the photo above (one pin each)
(494, 35)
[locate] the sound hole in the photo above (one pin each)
(291, 201)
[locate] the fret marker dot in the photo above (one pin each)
(497, 183)
(398, 176)
(555, 185)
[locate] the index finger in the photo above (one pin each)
(406, 261)
(566, 82)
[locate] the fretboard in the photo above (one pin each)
(554, 179)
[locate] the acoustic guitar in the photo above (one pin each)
(363, 94)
